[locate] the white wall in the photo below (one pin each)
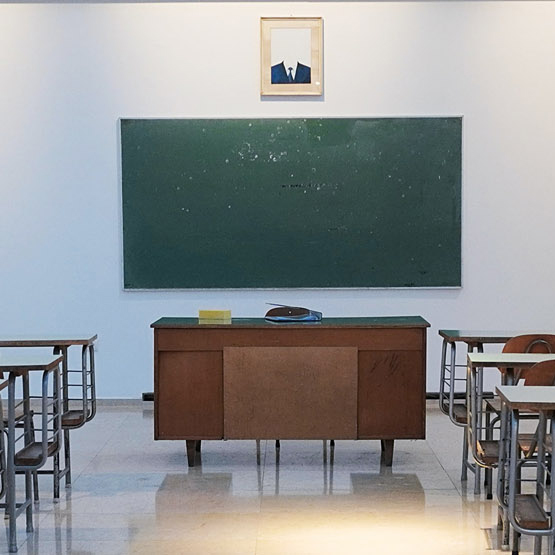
(69, 71)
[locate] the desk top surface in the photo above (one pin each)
(20, 361)
(531, 397)
(511, 360)
(46, 340)
(486, 336)
(375, 322)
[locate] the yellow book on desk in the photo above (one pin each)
(214, 314)
(213, 321)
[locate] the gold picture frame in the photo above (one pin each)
(291, 56)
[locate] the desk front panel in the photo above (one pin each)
(391, 395)
(189, 376)
(290, 392)
(189, 395)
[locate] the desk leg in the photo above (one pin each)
(65, 408)
(10, 471)
(387, 452)
(503, 476)
(63, 350)
(477, 469)
(28, 439)
(191, 450)
(442, 377)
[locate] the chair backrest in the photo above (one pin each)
(531, 343)
(542, 373)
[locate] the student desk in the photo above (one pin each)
(33, 454)
(529, 513)
(474, 340)
(510, 362)
(341, 378)
(79, 398)
(480, 438)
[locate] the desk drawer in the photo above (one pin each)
(375, 339)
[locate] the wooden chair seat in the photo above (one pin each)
(19, 414)
(459, 412)
(494, 405)
(525, 442)
(488, 451)
(73, 418)
(31, 455)
(529, 513)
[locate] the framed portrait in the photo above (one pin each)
(291, 56)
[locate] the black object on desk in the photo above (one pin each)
(283, 313)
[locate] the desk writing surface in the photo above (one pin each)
(46, 340)
(485, 336)
(381, 321)
(18, 361)
(518, 360)
(528, 397)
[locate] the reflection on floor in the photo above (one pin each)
(131, 494)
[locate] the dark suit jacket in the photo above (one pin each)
(279, 74)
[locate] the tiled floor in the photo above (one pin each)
(131, 494)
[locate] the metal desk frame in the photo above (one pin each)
(474, 341)
(60, 345)
(19, 366)
(540, 399)
(511, 362)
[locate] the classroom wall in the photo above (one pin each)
(69, 71)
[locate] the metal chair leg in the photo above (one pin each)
(464, 470)
(489, 482)
(516, 543)
(67, 458)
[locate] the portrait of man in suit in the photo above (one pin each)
(290, 56)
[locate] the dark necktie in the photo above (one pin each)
(290, 74)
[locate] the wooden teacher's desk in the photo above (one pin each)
(341, 378)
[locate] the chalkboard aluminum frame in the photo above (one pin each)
(456, 283)
(315, 25)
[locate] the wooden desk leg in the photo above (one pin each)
(387, 452)
(191, 450)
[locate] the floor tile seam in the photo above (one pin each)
(262, 480)
(432, 449)
(475, 513)
(38, 517)
(98, 452)
(154, 513)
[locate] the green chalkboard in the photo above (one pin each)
(285, 203)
